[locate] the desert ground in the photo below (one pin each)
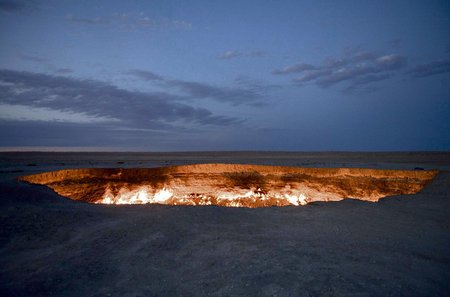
(54, 246)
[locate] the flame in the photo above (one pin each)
(236, 198)
(141, 195)
(162, 195)
(296, 200)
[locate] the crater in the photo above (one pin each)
(230, 185)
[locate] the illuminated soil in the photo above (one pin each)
(230, 185)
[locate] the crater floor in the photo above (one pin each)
(230, 184)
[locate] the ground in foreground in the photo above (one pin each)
(50, 246)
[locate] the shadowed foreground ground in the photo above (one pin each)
(50, 246)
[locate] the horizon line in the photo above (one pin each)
(127, 150)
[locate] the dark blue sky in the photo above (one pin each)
(225, 75)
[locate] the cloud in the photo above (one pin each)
(60, 135)
(356, 69)
(228, 55)
(90, 21)
(432, 68)
(256, 86)
(294, 68)
(144, 74)
(390, 62)
(312, 75)
(235, 96)
(195, 90)
(232, 54)
(93, 98)
(130, 21)
(362, 72)
(48, 134)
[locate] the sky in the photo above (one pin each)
(225, 75)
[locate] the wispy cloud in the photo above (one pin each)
(255, 85)
(90, 21)
(229, 55)
(432, 68)
(234, 96)
(144, 74)
(94, 98)
(355, 69)
(363, 71)
(294, 68)
(130, 21)
(232, 54)
(191, 90)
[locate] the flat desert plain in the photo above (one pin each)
(54, 246)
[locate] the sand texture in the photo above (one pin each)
(54, 246)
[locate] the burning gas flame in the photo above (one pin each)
(251, 198)
(296, 200)
(141, 195)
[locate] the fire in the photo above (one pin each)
(141, 195)
(230, 185)
(297, 200)
(252, 198)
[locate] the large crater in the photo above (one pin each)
(230, 185)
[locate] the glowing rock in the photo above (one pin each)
(230, 184)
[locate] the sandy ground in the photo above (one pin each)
(51, 246)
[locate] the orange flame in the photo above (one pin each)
(147, 195)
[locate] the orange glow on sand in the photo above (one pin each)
(230, 185)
